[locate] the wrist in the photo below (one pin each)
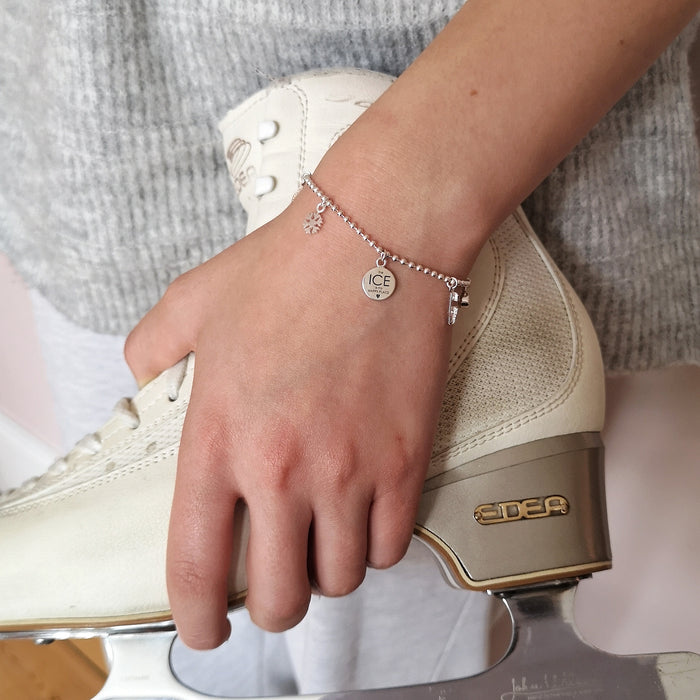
(383, 184)
(338, 260)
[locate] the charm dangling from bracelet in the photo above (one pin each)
(379, 282)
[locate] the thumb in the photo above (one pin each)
(166, 334)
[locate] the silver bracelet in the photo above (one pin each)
(379, 282)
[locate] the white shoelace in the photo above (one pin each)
(125, 410)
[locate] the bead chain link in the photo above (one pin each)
(451, 282)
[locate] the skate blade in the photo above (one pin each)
(547, 660)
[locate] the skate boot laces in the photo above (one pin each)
(125, 412)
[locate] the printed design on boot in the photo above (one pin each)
(236, 156)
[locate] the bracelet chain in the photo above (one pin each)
(458, 289)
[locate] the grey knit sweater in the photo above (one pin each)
(112, 180)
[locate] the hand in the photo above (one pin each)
(312, 403)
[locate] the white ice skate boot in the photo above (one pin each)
(513, 502)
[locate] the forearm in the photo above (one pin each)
(486, 112)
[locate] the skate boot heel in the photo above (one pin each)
(520, 516)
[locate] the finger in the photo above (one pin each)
(165, 334)
(200, 541)
(339, 547)
(391, 520)
(276, 564)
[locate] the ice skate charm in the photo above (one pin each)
(459, 297)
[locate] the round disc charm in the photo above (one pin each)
(378, 283)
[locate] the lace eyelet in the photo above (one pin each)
(264, 185)
(267, 130)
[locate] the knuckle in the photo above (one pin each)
(336, 587)
(385, 560)
(400, 479)
(213, 433)
(187, 579)
(401, 467)
(335, 461)
(341, 470)
(280, 614)
(391, 549)
(179, 291)
(200, 638)
(280, 456)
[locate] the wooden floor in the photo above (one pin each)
(66, 670)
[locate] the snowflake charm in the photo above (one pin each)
(313, 222)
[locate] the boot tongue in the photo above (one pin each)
(284, 130)
(262, 146)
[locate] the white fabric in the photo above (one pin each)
(86, 371)
(402, 626)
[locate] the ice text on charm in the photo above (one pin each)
(379, 283)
